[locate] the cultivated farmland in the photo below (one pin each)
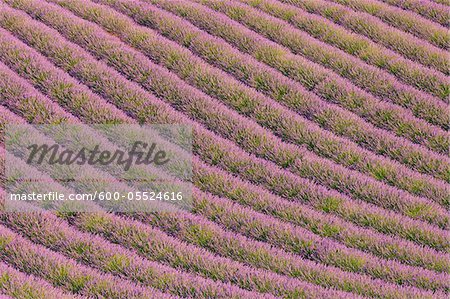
(318, 158)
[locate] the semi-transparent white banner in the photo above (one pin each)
(79, 167)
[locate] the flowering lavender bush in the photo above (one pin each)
(435, 11)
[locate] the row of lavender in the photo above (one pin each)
(311, 75)
(33, 222)
(362, 47)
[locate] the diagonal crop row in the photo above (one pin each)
(196, 39)
(404, 44)
(254, 276)
(89, 177)
(364, 76)
(64, 273)
(159, 44)
(7, 117)
(356, 189)
(403, 20)
(18, 91)
(436, 12)
(307, 245)
(377, 81)
(410, 97)
(407, 71)
(20, 97)
(414, 235)
(45, 182)
(265, 261)
(178, 61)
(146, 241)
(213, 151)
(341, 258)
(46, 231)
(84, 102)
(34, 222)
(19, 285)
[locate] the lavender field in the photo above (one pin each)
(319, 160)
